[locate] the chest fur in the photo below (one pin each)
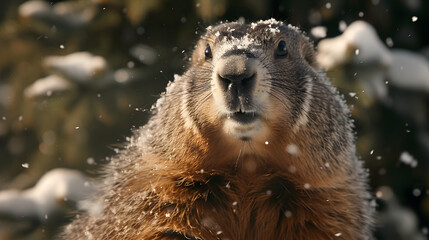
(268, 207)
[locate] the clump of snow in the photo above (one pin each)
(408, 159)
(46, 86)
(272, 25)
(360, 46)
(71, 14)
(319, 31)
(271, 21)
(342, 26)
(357, 51)
(292, 149)
(47, 196)
(417, 192)
(240, 43)
(352, 94)
(272, 29)
(80, 67)
(91, 161)
(31, 8)
(122, 76)
(389, 42)
(295, 28)
(359, 35)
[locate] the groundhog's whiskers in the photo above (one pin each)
(238, 157)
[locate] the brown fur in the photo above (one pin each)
(175, 181)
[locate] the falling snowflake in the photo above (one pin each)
(292, 149)
(408, 159)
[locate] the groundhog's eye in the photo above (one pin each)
(281, 50)
(208, 52)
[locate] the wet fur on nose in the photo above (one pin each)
(237, 77)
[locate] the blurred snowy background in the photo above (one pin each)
(77, 76)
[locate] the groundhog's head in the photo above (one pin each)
(258, 76)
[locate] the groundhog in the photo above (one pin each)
(251, 142)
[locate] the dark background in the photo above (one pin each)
(42, 131)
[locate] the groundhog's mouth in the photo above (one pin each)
(243, 117)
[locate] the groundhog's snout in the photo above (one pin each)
(236, 77)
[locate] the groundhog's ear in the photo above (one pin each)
(307, 51)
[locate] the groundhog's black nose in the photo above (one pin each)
(240, 83)
(237, 90)
(236, 77)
